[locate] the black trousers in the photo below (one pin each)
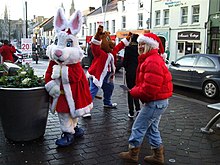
(132, 103)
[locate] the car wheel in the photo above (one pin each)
(210, 89)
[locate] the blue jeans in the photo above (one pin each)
(146, 124)
(107, 88)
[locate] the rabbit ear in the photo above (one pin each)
(60, 22)
(75, 22)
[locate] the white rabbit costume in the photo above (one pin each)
(65, 79)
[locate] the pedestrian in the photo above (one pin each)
(153, 87)
(130, 64)
(7, 50)
(102, 70)
(89, 53)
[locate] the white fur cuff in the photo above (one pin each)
(65, 75)
(96, 42)
(125, 41)
(50, 85)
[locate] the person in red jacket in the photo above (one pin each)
(153, 87)
(7, 50)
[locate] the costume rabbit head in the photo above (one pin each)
(66, 49)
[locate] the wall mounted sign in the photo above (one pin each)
(188, 35)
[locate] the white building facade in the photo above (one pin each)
(121, 16)
(181, 25)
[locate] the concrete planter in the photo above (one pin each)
(24, 112)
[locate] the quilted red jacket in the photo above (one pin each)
(153, 80)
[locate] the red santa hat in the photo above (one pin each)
(153, 40)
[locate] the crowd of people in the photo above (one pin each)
(149, 86)
(148, 83)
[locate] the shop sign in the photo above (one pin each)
(189, 35)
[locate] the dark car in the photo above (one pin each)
(198, 71)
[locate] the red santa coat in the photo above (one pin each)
(102, 60)
(153, 79)
(75, 97)
(7, 52)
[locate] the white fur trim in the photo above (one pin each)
(148, 40)
(75, 23)
(96, 42)
(125, 41)
(69, 98)
(65, 75)
(83, 111)
(58, 26)
(56, 72)
(99, 82)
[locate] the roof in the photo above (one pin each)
(111, 6)
(49, 24)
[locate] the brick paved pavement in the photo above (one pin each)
(106, 135)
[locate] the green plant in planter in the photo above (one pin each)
(24, 78)
(2, 67)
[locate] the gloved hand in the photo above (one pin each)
(129, 36)
(56, 72)
(99, 32)
(54, 91)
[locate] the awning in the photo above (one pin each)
(123, 34)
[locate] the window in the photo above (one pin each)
(141, 4)
(140, 20)
(83, 31)
(184, 13)
(195, 14)
(113, 26)
(90, 28)
(123, 22)
(186, 61)
(205, 62)
(123, 6)
(157, 19)
(166, 17)
(94, 30)
(107, 25)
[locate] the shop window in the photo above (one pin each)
(197, 48)
(180, 47)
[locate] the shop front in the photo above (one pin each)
(188, 42)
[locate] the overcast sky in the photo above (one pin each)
(45, 8)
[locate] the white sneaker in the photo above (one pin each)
(87, 115)
(113, 106)
(130, 116)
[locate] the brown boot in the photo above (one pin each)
(131, 155)
(157, 157)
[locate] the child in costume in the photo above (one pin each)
(102, 70)
(65, 79)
